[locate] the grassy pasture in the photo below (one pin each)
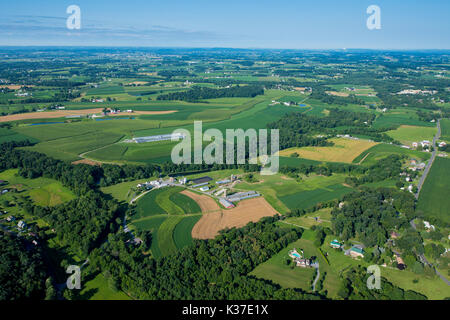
(275, 269)
(284, 193)
(445, 129)
(408, 134)
(98, 289)
(306, 199)
(307, 221)
(398, 117)
(373, 155)
(43, 191)
(432, 200)
(344, 150)
(122, 191)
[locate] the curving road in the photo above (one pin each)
(430, 162)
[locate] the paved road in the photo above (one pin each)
(315, 265)
(430, 162)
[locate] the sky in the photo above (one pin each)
(294, 24)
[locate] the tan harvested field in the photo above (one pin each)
(11, 86)
(206, 204)
(337, 94)
(65, 113)
(215, 218)
(138, 83)
(48, 114)
(147, 112)
(344, 150)
(87, 161)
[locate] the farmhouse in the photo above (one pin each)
(394, 235)
(21, 225)
(356, 251)
(442, 144)
(425, 143)
(335, 244)
(299, 260)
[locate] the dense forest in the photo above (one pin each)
(213, 269)
(370, 215)
(200, 93)
(22, 270)
(299, 130)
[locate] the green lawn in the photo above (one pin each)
(98, 289)
(276, 269)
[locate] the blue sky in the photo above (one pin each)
(298, 24)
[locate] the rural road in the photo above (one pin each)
(430, 162)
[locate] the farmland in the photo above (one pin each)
(380, 151)
(343, 150)
(285, 193)
(409, 134)
(169, 215)
(344, 169)
(431, 201)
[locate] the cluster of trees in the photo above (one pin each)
(297, 129)
(81, 223)
(370, 215)
(386, 168)
(22, 270)
(213, 269)
(80, 178)
(199, 93)
(319, 93)
(355, 287)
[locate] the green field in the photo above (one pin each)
(380, 151)
(445, 129)
(169, 216)
(43, 191)
(398, 117)
(308, 220)
(165, 201)
(409, 134)
(182, 232)
(98, 289)
(431, 199)
(285, 193)
(307, 199)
